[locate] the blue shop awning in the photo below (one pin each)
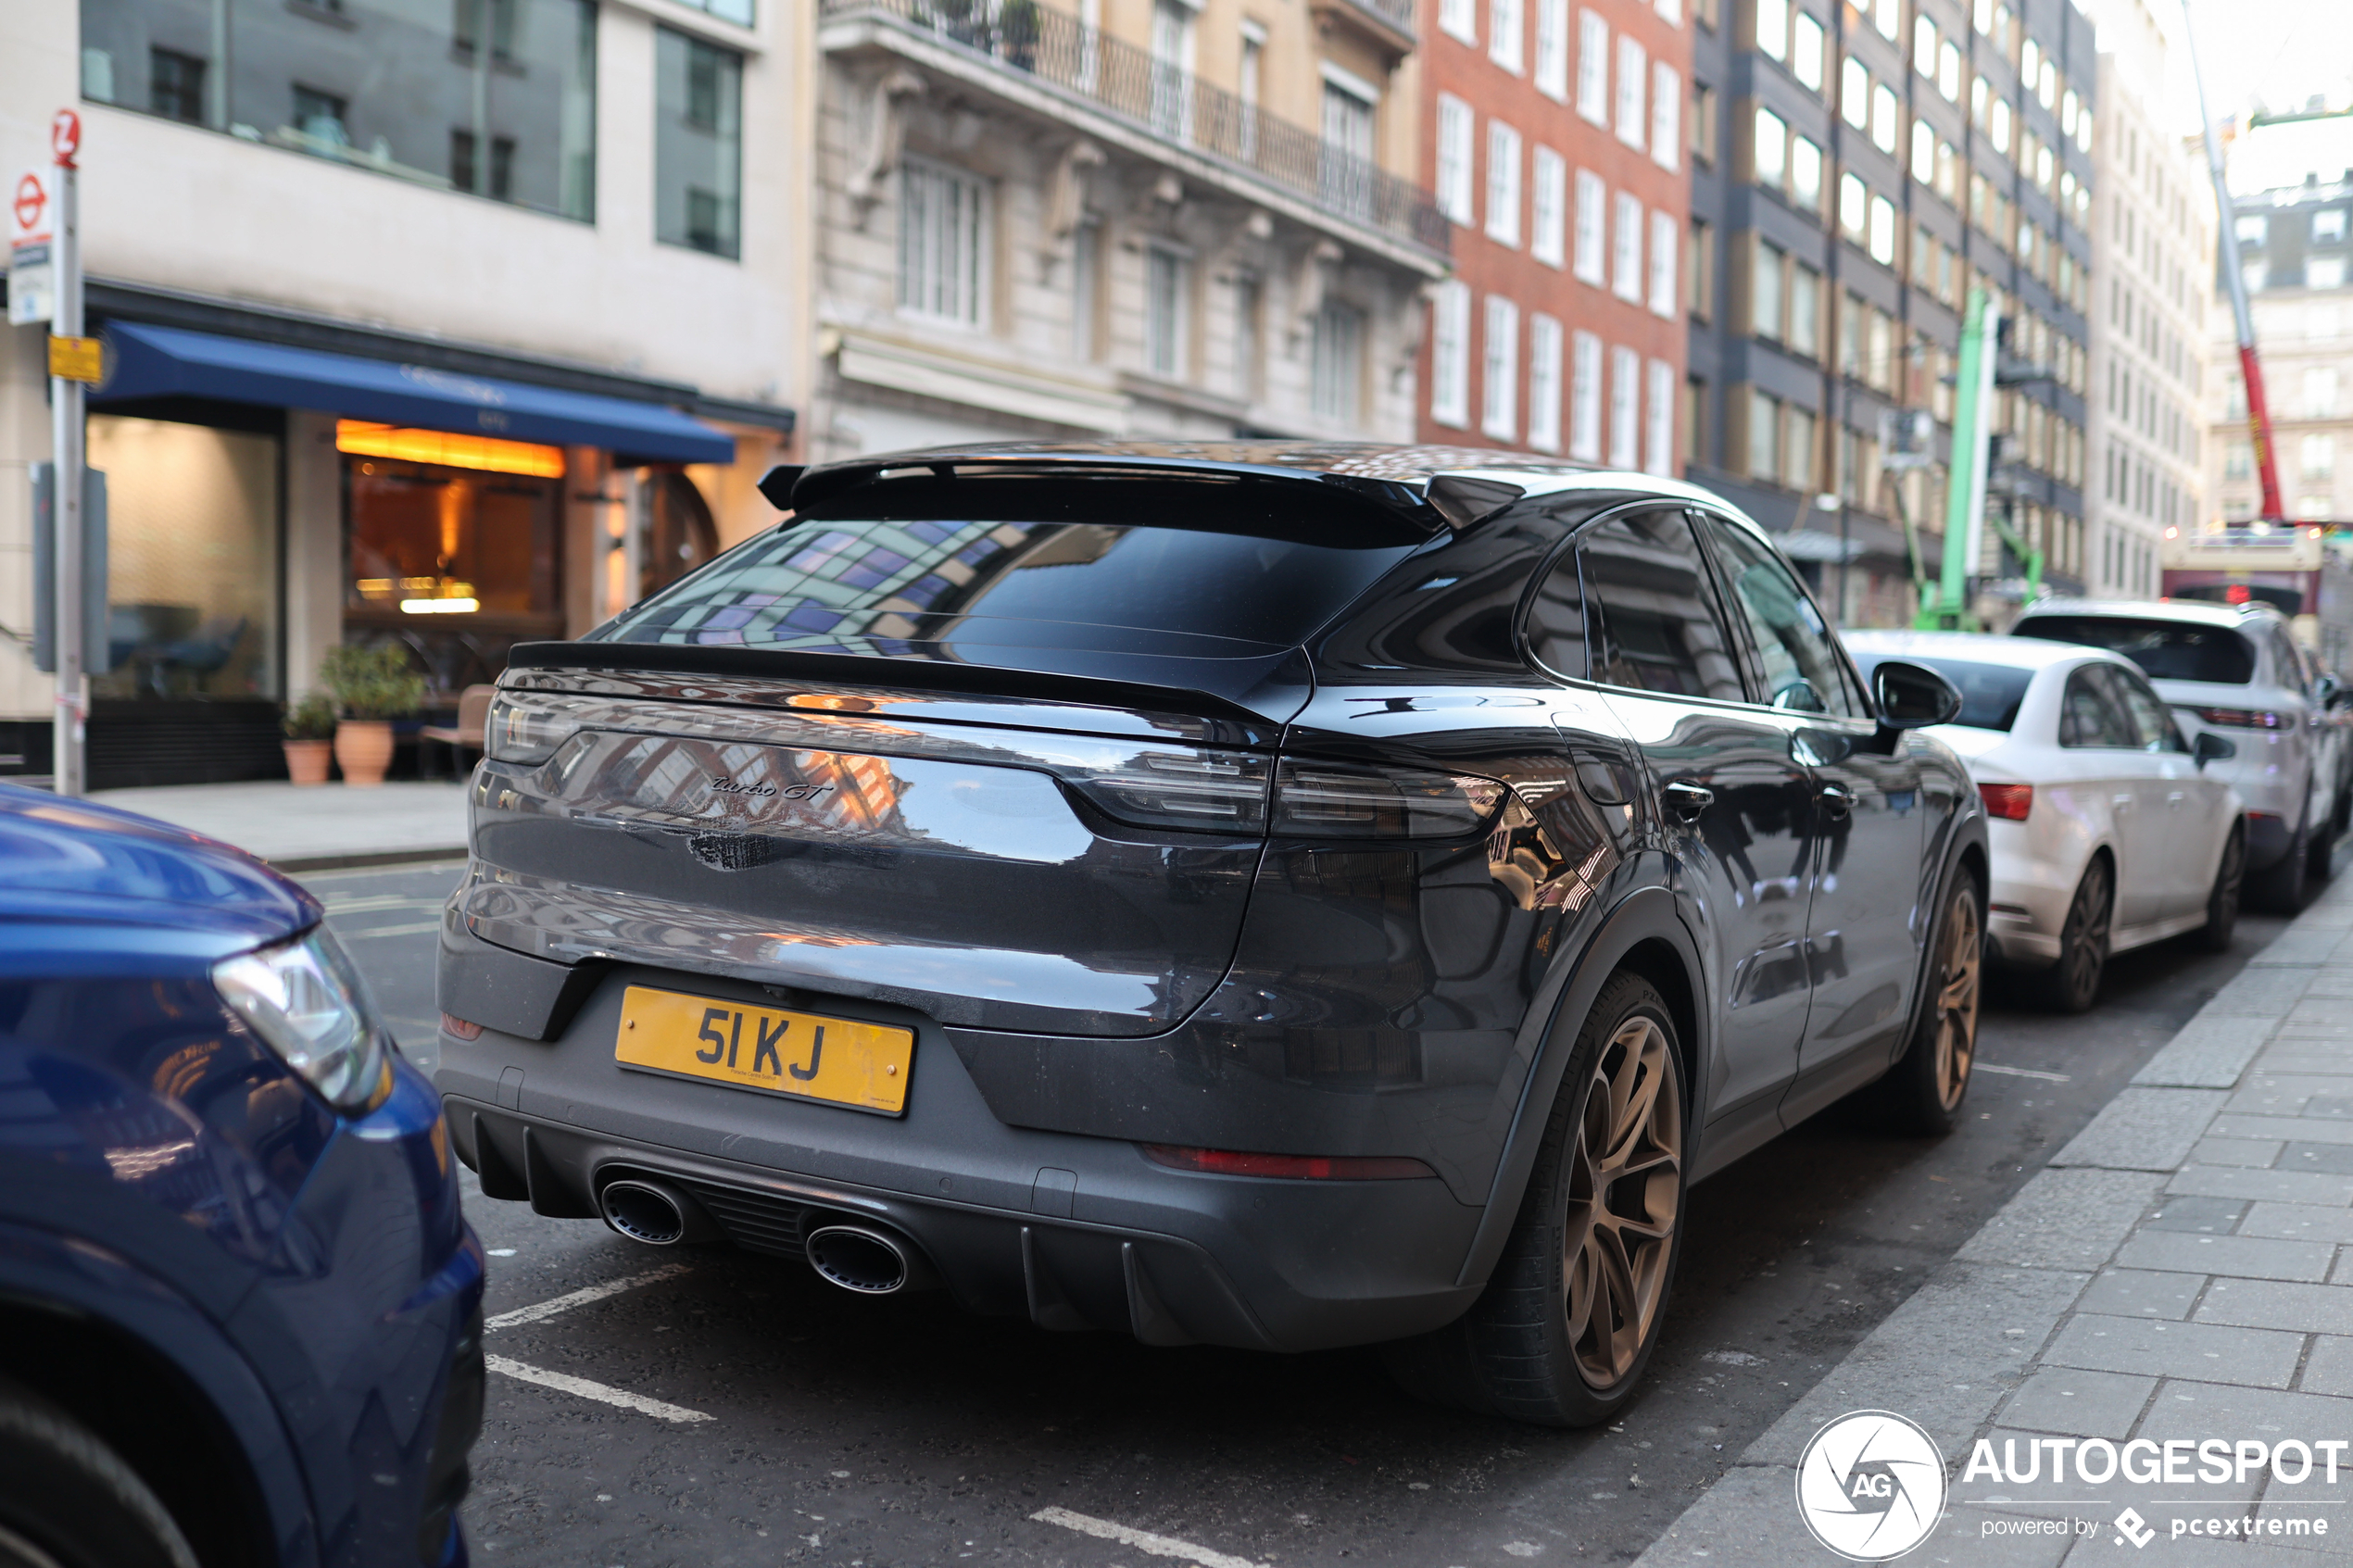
(148, 362)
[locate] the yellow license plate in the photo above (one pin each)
(801, 1054)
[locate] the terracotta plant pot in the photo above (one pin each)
(307, 760)
(363, 751)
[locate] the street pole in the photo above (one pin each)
(66, 732)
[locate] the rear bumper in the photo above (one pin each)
(1070, 1231)
(2269, 838)
(2027, 903)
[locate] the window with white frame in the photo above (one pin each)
(1882, 230)
(941, 214)
(1767, 282)
(1499, 367)
(1924, 44)
(1923, 152)
(1502, 183)
(1624, 408)
(1456, 131)
(1548, 208)
(1948, 72)
(1585, 397)
(1506, 34)
(1764, 437)
(1165, 312)
(1663, 241)
(1544, 383)
(1658, 420)
(1804, 174)
(1886, 117)
(1772, 28)
(1551, 48)
(1459, 19)
(1768, 149)
(1633, 67)
(1172, 36)
(1855, 93)
(1669, 11)
(1336, 388)
(1854, 204)
(1807, 48)
(1450, 353)
(1666, 115)
(1592, 66)
(1591, 260)
(1626, 249)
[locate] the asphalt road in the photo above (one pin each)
(834, 1429)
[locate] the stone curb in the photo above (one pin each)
(1972, 1336)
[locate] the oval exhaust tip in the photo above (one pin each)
(644, 1212)
(858, 1259)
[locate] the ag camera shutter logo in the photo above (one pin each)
(1870, 1485)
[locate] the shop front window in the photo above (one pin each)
(495, 97)
(192, 571)
(452, 546)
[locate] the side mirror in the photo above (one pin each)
(1911, 697)
(2328, 691)
(2211, 747)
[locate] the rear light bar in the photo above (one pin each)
(2010, 802)
(1207, 791)
(1302, 1167)
(2243, 719)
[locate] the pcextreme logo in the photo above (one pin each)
(1870, 1485)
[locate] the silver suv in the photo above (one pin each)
(2235, 669)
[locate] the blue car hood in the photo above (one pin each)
(79, 879)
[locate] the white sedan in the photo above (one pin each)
(2108, 831)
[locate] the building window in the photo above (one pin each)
(1626, 250)
(1702, 124)
(1498, 384)
(1855, 93)
(1807, 52)
(1772, 28)
(1633, 65)
(1085, 291)
(1765, 293)
(2328, 226)
(1548, 217)
(175, 85)
(941, 216)
(2320, 393)
(1694, 421)
(1502, 183)
(465, 166)
(2251, 229)
(699, 133)
(2324, 272)
(1923, 152)
(1624, 408)
(1551, 48)
(1592, 223)
(1658, 420)
(1806, 310)
(1506, 34)
(1164, 313)
(1171, 67)
(1666, 111)
(1770, 152)
(1885, 117)
(1459, 19)
(1882, 230)
(1764, 437)
(1349, 115)
(1450, 353)
(1585, 397)
(2320, 455)
(1797, 447)
(1702, 269)
(1250, 333)
(1998, 125)
(1544, 383)
(320, 119)
(1457, 128)
(1336, 391)
(1854, 206)
(1661, 289)
(1804, 175)
(1592, 66)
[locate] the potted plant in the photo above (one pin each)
(371, 686)
(310, 732)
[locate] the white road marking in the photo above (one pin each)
(588, 1390)
(1142, 1540)
(363, 902)
(551, 1308)
(419, 929)
(2024, 1072)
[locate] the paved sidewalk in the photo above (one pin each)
(314, 829)
(2182, 1269)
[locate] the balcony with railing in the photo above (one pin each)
(1118, 79)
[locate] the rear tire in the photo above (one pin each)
(2280, 887)
(70, 1501)
(1924, 1092)
(2321, 851)
(2222, 900)
(1568, 1321)
(2072, 985)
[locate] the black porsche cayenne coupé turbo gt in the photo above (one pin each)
(1269, 896)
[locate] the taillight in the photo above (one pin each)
(2242, 718)
(464, 1029)
(1301, 1167)
(2010, 802)
(1207, 791)
(1333, 801)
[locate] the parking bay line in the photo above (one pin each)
(1142, 1540)
(565, 1383)
(2023, 1073)
(419, 929)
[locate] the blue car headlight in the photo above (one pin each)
(306, 1002)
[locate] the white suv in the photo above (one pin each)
(2232, 669)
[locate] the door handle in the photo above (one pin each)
(2174, 801)
(2121, 802)
(1837, 799)
(1686, 799)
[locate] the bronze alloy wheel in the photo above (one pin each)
(1960, 961)
(1625, 1190)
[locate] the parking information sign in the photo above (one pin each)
(32, 294)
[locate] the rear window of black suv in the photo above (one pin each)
(1206, 570)
(2166, 650)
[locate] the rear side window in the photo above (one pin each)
(2166, 650)
(1194, 570)
(2091, 713)
(2152, 720)
(1648, 592)
(1556, 620)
